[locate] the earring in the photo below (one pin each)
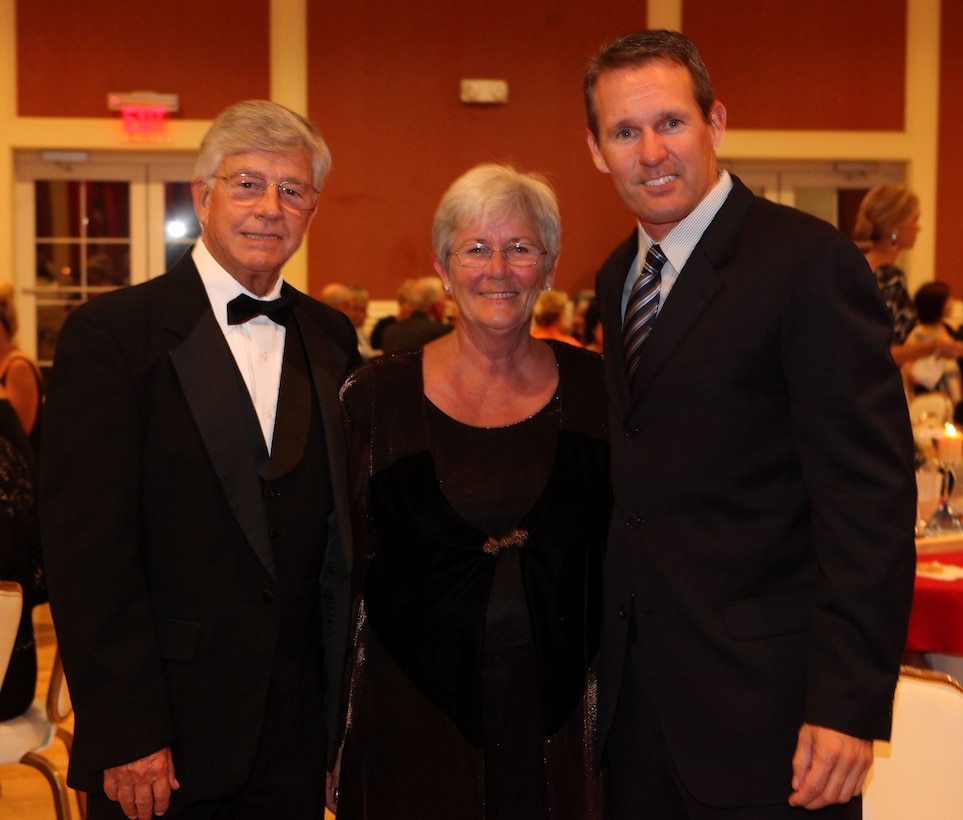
(892, 236)
(447, 288)
(546, 287)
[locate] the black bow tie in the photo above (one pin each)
(243, 307)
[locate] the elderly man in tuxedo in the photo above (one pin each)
(760, 560)
(194, 505)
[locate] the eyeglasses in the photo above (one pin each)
(248, 188)
(477, 255)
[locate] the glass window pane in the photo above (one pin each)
(58, 264)
(108, 209)
(57, 207)
(108, 265)
(181, 227)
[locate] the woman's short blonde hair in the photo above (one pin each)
(882, 211)
(496, 191)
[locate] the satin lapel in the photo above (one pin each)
(326, 363)
(219, 403)
(294, 407)
(697, 285)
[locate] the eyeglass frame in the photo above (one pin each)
(278, 185)
(502, 251)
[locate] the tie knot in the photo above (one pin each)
(655, 259)
(243, 308)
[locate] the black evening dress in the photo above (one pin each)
(473, 689)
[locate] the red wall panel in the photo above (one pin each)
(822, 64)
(70, 55)
(384, 89)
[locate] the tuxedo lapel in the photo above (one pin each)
(222, 410)
(294, 407)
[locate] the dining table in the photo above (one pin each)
(936, 618)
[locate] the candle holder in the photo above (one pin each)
(947, 515)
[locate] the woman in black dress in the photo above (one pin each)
(20, 557)
(483, 485)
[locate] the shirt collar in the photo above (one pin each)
(678, 244)
(221, 287)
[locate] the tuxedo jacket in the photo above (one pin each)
(166, 589)
(764, 500)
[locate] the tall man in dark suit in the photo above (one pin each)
(194, 505)
(760, 564)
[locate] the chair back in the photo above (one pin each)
(917, 773)
(11, 606)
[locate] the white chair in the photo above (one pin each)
(917, 773)
(11, 605)
(24, 738)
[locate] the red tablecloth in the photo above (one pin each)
(936, 620)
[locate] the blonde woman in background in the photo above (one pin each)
(887, 224)
(19, 374)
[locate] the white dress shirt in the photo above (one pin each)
(257, 345)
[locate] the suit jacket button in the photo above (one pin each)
(633, 521)
(267, 596)
(623, 612)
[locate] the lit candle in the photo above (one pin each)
(950, 445)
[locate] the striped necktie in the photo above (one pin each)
(642, 308)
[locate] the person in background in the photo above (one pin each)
(760, 562)
(359, 316)
(20, 375)
(887, 223)
(549, 320)
(593, 327)
(425, 320)
(404, 311)
(932, 303)
(194, 502)
(21, 559)
(580, 304)
(481, 476)
(352, 301)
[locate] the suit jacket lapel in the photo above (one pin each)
(697, 285)
(612, 277)
(221, 408)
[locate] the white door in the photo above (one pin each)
(89, 223)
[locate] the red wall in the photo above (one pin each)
(949, 246)
(384, 89)
(821, 64)
(70, 55)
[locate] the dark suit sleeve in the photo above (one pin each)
(90, 503)
(851, 433)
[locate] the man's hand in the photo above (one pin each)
(143, 788)
(828, 767)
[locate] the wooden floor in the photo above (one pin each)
(24, 793)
